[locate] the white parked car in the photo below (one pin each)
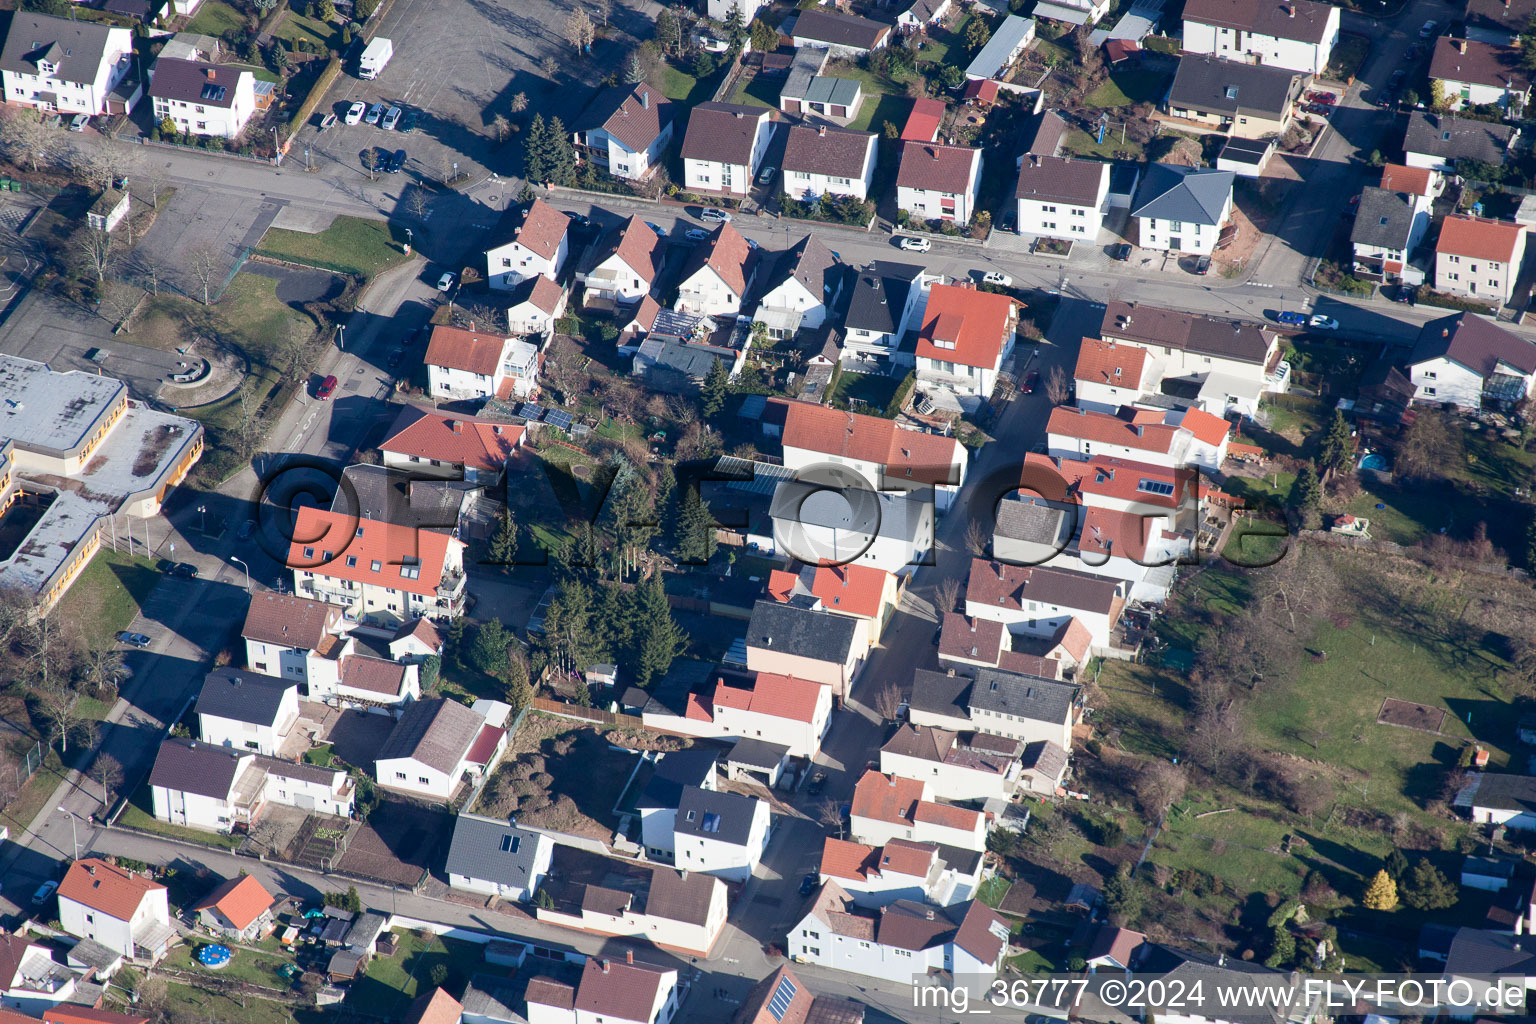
(714, 215)
(354, 113)
(391, 119)
(77, 123)
(1318, 322)
(445, 282)
(998, 278)
(374, 113)
(916, 244)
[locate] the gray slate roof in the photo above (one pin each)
(1477, 343)
(1008, 36)
(1033, 521)
(1384, 218)
(1195, 195)
(811, 263)
(756, 753)
(1506, 792)
(674, 772)
(939, 693)
(437, 733)
(400, 498)
(189, 766)
(828, 89)
(1453, 138)
(821, 636)
(1042, 700)
(879, 293)
(1213, 85)
(723, 817)
(493, 851)
(494, 998)
(1479, 951)
(76, 47)
(242, 696)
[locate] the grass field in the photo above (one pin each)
(873, 390)
(1130, 86)
(255, 968)
(1080, 143)
(196, 1003)
(296, 27)
(106, 596)
(392, 982)
(139, 813)
(214, 18)
(351, 245)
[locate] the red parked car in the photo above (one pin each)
(323, 392)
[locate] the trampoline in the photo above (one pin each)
(214, 957)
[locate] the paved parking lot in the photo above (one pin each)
(201, 218)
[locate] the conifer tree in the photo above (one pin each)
(658, 638)
(717, 384)
(503, 550)
(695, 529)
(536, 161)
(1381, 893)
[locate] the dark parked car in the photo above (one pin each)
(410, 121)
(396, 162)
(1031, 382)
(247, 528)
(1292, 319)
(183, 570)
(580, 220)
(1203, 266)
(1121, 252)
(808, 883)
(132, 639)
(818, 783)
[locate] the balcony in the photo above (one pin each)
(452, 585)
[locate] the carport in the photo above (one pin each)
(754, 760)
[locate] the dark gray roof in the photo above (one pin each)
(242, 696)
(830, 89)
(438, 733)
(692, 362)
(879, 293)
(494, 851)
(820, 636)
(188, 766)
(366, 929)
(840, 29)
(401, 498)
(1042, 133)
(1384, 218)
(1043, 700)
(76, 47)
(1506, 792)
(809, 262)
(1230, 339)
(939, 693)
(1213, 85)
(722, 131)
(1245, 151)
(708, 814)
(1192, 194)
(1208, 969)
(756, 753)
(674, 772)
(1453, 138)
(1045, 757)
(1479, 951)
(1475, 342)
(1302, 20)
(1061, 179)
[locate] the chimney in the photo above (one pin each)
(458, 426)
(212, 73)
(629, 954)
(603, 963)
(739, 115)
(645, 99)
(821, 131)
(1461, 45)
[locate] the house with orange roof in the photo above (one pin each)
(718, 275)
(966, 337)
(887, 807)
(877, 876)
(1132, 434)
(469, 363)
(621, 267)
(534, 306)
(124, 911)
(1038, 600)
(1479, 257)
(73, 1013)
(456, 446)
(1110, 374)
(884, 455)
(537, 246)
(791, 712)
(858, 591)
(378, 572)
(239, 909)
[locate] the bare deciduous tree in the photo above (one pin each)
(603, 9)
(152, 997)
(976, 538)
(946, 595)
(500, 126)
(108, 772)
(118, 301)
(579, 31)
(1158, 786)
(519, 103)
(369, 158)
(888, 701)
(248, 428)
(1056, 385)
(151, 269)
(203, 262)
(418, 201)
(156, 180)
(96, 251)
(60, 705)
(25, 136)
(550, 66)
(829, 813)
(107, 164)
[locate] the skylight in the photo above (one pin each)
(711, 822)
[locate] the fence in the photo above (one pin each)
(581, 714)
(29, 764)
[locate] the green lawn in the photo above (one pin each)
(106, 596)
(756, 91)
(351, 245)
(296, 27)
(214, 18)
(255, 968)
(1080, 143)
(993, 890)
(1130, 86)
(873, 390)
(259, 72)
(139, 813)
(680, 85)
(392, 982)
(186, 1002)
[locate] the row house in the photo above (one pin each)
(902, 941)
(719, 833)
(1013, 705)
(877, 876)
(964, 768)
(311, 645)
(214, 788)
(1038, 601)
(966, 643)
(887, 807)
(378, 572)
(1479, 258)
(860, 592)
(683, 911)
(807, 643)
(1392, 220)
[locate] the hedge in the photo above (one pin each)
(903, 392)
(316, 93)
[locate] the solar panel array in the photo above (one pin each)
(782, 996)
(530, 411)
(556, 418)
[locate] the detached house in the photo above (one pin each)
(1474, 73)
(784, 639)
(877, 876)
(724, 147)
(717, 277)
(1018, 706)
(239, 909)
(203, 99)
(1182, 209)
(29, 979)
(1059, 197)
(286, 636)
(433, 745)
(460, 447)
(798, 288)
(1468, 360)
(1245, 101)
(538, 247)
(902, 941)
(535, 306)
(1479, 258)
(1438, 141)
(1109, 374)
(845, 35)
(1498, 22)
(67, 65)
(123, 911)
(626, 129)
(1387, 230)
(824, 160)
(966, 337)
(881, 453)
(886, 298)
(245, 711)
(857, 591)
(495, 858)
(376, 571)
(199, 785)
(1298, 35)
(781, 998)
(678, 910)
(719, 833)
(789, 712)
(938, 182)
(621, 266)
(478, 364)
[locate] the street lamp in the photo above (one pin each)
(237, 558)
(306, 158)
(202, 521)
(341, 337)
(74, 834)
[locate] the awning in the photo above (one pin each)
(779, 319)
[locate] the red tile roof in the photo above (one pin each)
(983, 90)
(470, 351)
(541, 229)
(372, 675)
(923, 123)
(104, 888)
(1211, 430)
(1104, 428)
(842, 859)
(1122, 534)
(946, 816)
(625, 991)
(906, 857)
(1114, 478)
(886, 797)
(727, 254)
(484, 748)
(462, 440)
(637, 245)
(911, 454)
(1413, 180)
(241, 900)
(435, 1007)
(1480, 238)
(931, 167)
(850, 589)
(773, 695)
(1105, 362)
(67, 1013)
(781, 584)
(543, 294)
(762, 1005)
(970, 639)
(289, 621)
(324, 543)
(999, 585)
(966, 326)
